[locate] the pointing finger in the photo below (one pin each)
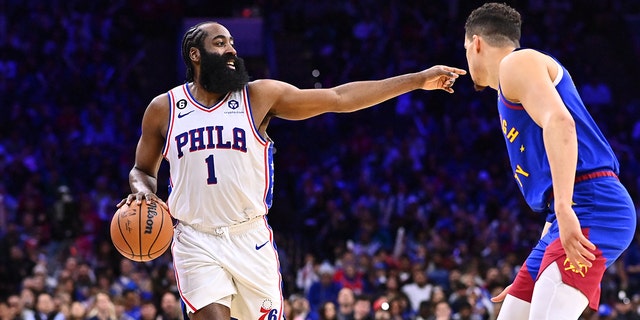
(455, 71)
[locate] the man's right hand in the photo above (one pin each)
(441, 77)
(500, 297)
(148, 197)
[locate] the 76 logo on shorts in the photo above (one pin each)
(267, 312)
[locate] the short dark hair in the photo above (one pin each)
(194, 37)
(498, 23)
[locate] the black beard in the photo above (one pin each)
(217, 77)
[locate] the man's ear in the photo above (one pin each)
(194, 54)
(477, 42)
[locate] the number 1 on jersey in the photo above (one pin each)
(211, 179)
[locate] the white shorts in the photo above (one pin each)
(236, 266)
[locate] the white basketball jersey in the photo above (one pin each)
(221, 169)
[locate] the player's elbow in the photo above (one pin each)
(560, 127)
(560, 120)
(340, 102)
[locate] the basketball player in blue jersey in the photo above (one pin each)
(561, 162)
(212, 131)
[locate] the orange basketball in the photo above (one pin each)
(141, 232)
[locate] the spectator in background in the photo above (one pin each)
(28, 301)
(131, 301)
(306, 275)
(605, 312)
(18, 266)
(170, 307)
(125, 279)
(77, 311)
(346, 300)
(287, 309)
(62, 301)
(328, 311)
(63, 216)
(496, 305)
(348, 276)
(419, 289)
(392, 287)
(84, 281)
(15, 302)
(46, 309)
(69, 269)
(377, 277)
(382, 315)
(399, 308)
(476, 295)
(424, 310)
(300, 308)
(6, 312)
(362, 309)
(458, 295)
(381, 308)
(438, 295)
(324, 289)
(441, 311)
(148, 310)
(121, 307)
(464, 312)
(625, 308)
(103, 308)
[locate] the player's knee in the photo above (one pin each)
(553, 299)
(514, 309)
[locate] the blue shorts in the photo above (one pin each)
(608, 219)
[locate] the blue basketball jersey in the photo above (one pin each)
(526, 150)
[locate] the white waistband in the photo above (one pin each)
(241, 227)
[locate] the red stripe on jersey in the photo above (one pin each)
(264, 142)
(198, 104)
(172, 114)
(509, 104)
(267, 178)
(249, 114)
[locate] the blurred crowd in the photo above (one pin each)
(403, 211)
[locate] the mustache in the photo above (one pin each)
(230, 56)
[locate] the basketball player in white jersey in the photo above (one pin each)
(212, 131)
